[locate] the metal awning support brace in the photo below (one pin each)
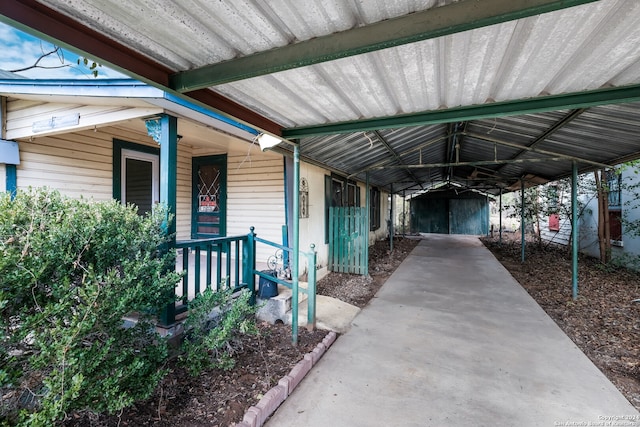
(574, 230)
(391, 228)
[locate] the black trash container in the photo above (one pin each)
(267, 288)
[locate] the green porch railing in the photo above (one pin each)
(311, 285)
(205, 263)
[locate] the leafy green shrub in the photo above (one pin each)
(213, 329)
(70, 270)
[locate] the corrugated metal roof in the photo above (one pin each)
(570, 50)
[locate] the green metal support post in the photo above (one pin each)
(500, 221)
(404, 213)
(296, 242)
(311, 294)
(367, 203)
(522, 223)
(391, 230)
(574, 230)
(249, 264)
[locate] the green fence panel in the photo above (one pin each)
(348, 240)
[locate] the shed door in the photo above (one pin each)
(208, 216)
(468, 216)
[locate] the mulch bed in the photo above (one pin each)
(220, 398)
(604, 322)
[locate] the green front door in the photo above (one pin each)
(209, 200)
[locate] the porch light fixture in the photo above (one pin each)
(267, 141)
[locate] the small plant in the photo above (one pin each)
(213, 329)
(70, 270)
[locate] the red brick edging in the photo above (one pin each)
(258, 414)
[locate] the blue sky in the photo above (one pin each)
(20, 49)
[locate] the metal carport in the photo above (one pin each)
(484, 93)
(487, 94)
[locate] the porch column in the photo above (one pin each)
(11, 180)
(574, 228)
(164, 130)
(169, 168)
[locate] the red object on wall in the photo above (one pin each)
(554, 222)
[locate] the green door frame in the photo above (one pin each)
(221, 162)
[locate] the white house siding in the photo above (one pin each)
(560, 237)
(255, 197)
(76, 164)
(630, 210)
(383, 231)
(183, 196)
(312, 228)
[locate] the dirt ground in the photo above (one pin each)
(604, 322)
(220, 398)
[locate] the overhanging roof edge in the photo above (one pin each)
(48, 24)
(120, 88)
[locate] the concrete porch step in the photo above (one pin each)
(331, 314)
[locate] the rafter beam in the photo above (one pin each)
(553, 129)
(396, 156)
(615, 95)
(411, 150)
(473, 163)
(553, 154)
(431, 23)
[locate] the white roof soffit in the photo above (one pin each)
(126, 92)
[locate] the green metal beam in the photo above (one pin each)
(615, 95)
(574, 231)
(431, 23)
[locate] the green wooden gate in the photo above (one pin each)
(348, 240)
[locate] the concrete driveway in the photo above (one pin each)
(453, 340)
